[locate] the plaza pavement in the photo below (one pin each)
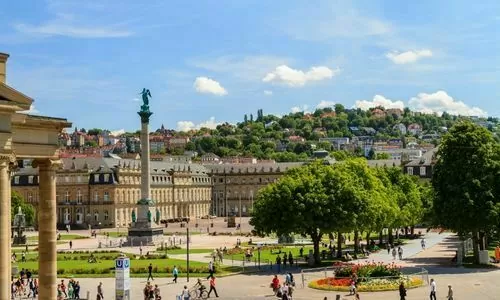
(467, 283)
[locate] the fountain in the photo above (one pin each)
(18, 227)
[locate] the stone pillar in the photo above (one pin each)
(47, 239)
(5, 221)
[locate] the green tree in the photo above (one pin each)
(467, 183)
(316, 199)
(29, 211)
(190, 146)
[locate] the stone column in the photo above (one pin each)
(5, 221)
(47, 239)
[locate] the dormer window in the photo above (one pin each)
(30, 179)
(106, 177)
(96, 178)
(16, 180)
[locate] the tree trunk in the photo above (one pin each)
(380, 237)
(475, 238)
(339, 244)
(316, 240)
(390, 237)
(368, 233)
(356, 243)
(412, 229)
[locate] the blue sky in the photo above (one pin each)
(209, 61)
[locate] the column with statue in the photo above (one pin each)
(144, 229)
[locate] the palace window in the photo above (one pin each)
(96, 215)
(96, 178)
(106, 215)
(106, 196)
(106, 177)
(16, 180)
(79, 178)
(96, 196)
(30, 179)
(66, 196)
(66, 178)
(30, 197)
(79, 197)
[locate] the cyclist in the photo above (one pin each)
(199, 285)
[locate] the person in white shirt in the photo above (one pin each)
(185, 293)
(433, 290)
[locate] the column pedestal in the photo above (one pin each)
(5, 230)
(47, 239)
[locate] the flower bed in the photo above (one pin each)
(371, 277)
(373, 285)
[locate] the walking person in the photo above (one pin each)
(70, 245)
(185, 293)
(450, 292)
(432, 295)
(100, 295)
(423, 244)
(210, 269)
(394, 253)
(400, 253)
(402, 291)
(150, 272)
(278, 262)
(212, 287)
(175, 272)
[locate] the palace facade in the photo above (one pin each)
(235, 186)
(103, 192)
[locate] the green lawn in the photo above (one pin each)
(64, 237)
(77, 265)
(184, 251)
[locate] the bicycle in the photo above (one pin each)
(195, 293)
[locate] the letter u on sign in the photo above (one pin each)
(119, 264)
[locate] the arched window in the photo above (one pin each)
(96, 215)
(106, 215)
(79, 216)
(30, 197)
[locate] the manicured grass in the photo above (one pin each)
(265, 254)
(184, 251)
(77, 265)
(64, 237)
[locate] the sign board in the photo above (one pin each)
(122, 278)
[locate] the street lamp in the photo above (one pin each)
(258, 251)
(240, 211)
(187, 249)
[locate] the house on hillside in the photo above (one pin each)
(400, 127)
(415, 129)
(377, 113)
(394, 112)
(423, 166)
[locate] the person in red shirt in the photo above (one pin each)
(275, 284)
(212, 287)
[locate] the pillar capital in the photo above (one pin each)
(8, 160)
(47, 164)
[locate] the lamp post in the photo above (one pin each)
(258, 251)
(240, 210)
(187, 250)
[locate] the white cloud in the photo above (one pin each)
(31, 111)
(268, 93)
(325, 104)
(244, 67)
(117, 132)
(408, 57)
(206, 85)
(440, 102)
(379, 100)
(297, 78)
(189, 125)
(303, 108)
(136, 100)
